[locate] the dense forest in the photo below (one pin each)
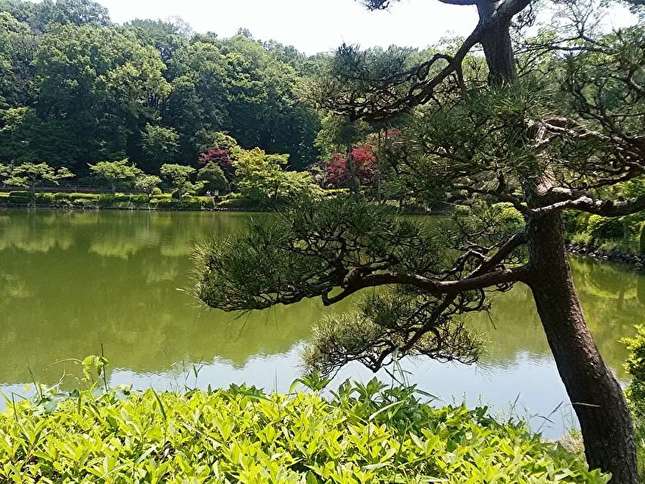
(76, 88)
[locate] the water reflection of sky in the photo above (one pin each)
(70, 283)
(528, 388)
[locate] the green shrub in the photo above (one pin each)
(156, 191)
(234, 200)
(84, 203)
(606, 228)
(575, 222)
(139, 199)
(106, 200)
(581, 238)
(82, 196)
(45, 198)
(462, 210)
(368, 433)
(205, 201)
(18, 198)
(635, 366)
(121, 198)
(190, 203)
(164, 203)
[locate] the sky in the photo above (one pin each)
(310, 25)
(315, 25)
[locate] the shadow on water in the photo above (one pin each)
(71, 282)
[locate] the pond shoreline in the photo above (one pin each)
(629, 259)
(134, 208)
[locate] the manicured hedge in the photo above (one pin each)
(365, 434)
(108, 200)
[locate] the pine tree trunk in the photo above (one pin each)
(595, 394)
(497, 45)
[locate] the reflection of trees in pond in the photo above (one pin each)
(610, 301)
(37, 236)
(68, 300)
(511, 326)
(13, 287)
(80, 299)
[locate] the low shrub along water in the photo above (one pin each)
(364, 433)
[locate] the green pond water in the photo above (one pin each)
(73, 282)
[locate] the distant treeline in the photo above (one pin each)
(76, 88)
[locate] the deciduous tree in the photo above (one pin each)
(160, 145)
(213, 178)
(178, 176)
(116, 174)
(33, 175)
(147, 184)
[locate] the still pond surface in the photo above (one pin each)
(71, 282)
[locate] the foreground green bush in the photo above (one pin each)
(635, 366)
(365, 434)
(609, 234)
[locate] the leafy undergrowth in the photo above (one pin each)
(365, 433)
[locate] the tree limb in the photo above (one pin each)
(481, 278)
(605, 208)
(459, 2)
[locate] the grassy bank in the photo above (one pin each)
(364, 434)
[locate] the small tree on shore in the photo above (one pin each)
(178, 177)
(147, 184)
(213, 178)
(263, 181)
(116, 174)
(34, 175)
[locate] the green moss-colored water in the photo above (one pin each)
(71, 282)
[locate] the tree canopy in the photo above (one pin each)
(81, 89)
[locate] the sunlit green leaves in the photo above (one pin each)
(367, 433)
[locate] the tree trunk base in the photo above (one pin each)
(595, 394)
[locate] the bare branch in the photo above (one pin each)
(605, 208)
(485, 276)
(459, 2)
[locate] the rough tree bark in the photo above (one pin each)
(595, 394)
(497, 44)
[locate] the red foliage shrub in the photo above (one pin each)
(337, 172)
(220, 157)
